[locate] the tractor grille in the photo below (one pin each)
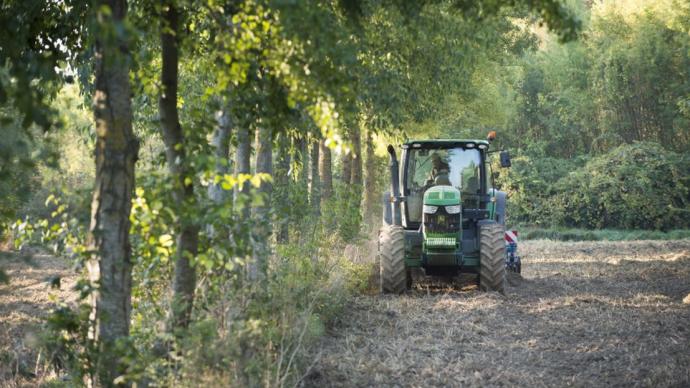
(441, 222)
(441, 242)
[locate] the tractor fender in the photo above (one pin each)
(500, 210)
(387, 211)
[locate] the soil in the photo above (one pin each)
(24, 303)
(581, 314)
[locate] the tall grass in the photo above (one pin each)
(257, 335)
(571, 234)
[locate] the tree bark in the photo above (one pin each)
(370, 197)
(262, 223)
(302, 159)
(346, 165)
(282, 181)
(325, 172)
(184, 280)
(242, 166)
(315, 182)
(110, 267)
(356, 178)
(221, 151)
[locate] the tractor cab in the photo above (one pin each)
(453, 167)
(442, 205)
(444, 185)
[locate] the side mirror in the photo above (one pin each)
(505, 159)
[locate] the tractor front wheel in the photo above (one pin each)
(492, 271)
(395, 278)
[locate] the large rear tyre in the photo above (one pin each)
(395, 278)
(492, 266)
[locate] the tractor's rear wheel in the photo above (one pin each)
(395, 278)
(492, 266)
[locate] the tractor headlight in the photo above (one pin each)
(454, 209)
(428, 209)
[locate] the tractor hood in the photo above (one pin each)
(442, 196)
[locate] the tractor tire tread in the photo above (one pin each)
(492, 267)
(394, 276)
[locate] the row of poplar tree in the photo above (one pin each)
(271, 84)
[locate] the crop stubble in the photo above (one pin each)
(583, 314)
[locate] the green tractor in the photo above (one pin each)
(445, 218)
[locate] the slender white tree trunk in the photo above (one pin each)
(221, 151)
(261, 214)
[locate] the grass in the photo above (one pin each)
(571, 234)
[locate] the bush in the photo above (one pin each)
(530, 183)
(247, 334)
(634, 186)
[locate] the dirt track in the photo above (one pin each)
(24, 303)
(584, 314)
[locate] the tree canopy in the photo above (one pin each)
(239, 151)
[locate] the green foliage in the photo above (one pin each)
(638, 186)
(643, 74)
(60, 231)
(16, 166)
(344, 209)
(530, 184)
(625, 81)
(248, 334)
(66, 340)
(36, 43)
(35, 164)
(573, 105)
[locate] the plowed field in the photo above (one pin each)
(582, 314)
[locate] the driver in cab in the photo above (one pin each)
(438, 176)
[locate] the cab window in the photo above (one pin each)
(455, 167)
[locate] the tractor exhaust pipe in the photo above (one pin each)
(395, 185)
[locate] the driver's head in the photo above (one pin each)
(436, 161)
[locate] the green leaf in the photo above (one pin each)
(165, 240)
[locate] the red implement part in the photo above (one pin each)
(511, 236)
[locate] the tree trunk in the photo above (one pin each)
(346, 162)
(221, 150)
(242, 166)
(354, 189)
(356, 178)
(302, 158)
(315, 184)
(282, 181)
(110, 267)
(370, 197)
(184, 280)
(325, 172)
(262, 223)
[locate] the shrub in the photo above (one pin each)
(634, 186)
(530, 183)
